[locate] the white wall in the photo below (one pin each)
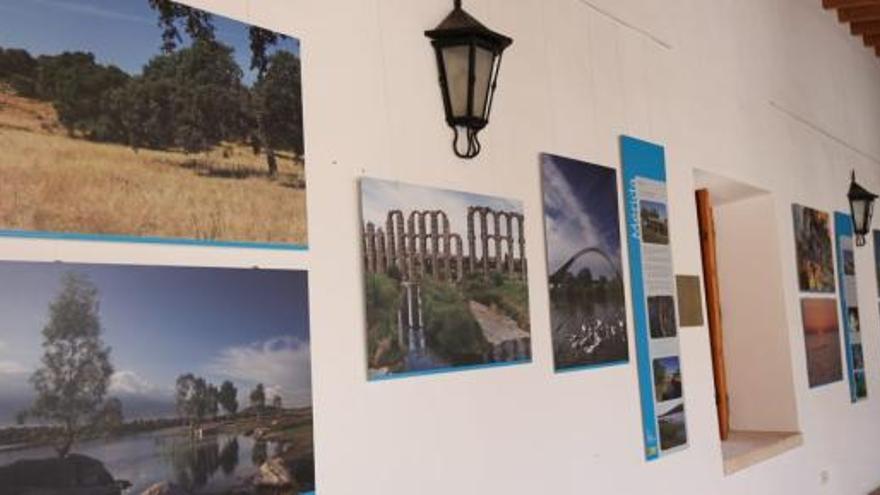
(770, 92)
(757, 347)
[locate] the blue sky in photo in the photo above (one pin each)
(580, 210)
(378, 197)
(124, 33)
(670, 364)
(243, 325)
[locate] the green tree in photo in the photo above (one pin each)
(451, 329)
(146, 112)
(278, 107)
(111, 417)
(176, 19)
(77, 86)
(258, 397)
(196, 23)
(192, 398)
(228, 397)
(71, 385)
(18, 69)
(191, 99)
(508, 294)
(660, 380)
(213, 401)
(383, 295)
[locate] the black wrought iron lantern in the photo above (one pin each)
(861, 205)
(468, 58)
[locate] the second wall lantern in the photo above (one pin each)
(861, 206)
(468, 59)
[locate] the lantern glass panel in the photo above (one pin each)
(484, 64)
(859, 217)
(456, 62)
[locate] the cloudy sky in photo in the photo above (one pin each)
(248, 326)
(124, 33)
(580, 211)
(378, 197)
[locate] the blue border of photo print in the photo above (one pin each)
(65, 236)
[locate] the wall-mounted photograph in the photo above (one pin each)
(582, 228)
(445, 275)
(853, 315)
(822, 340)
(858, 357)
(876, 244)
(149, 121)
(671, 423)
(849, 262)
(661, 317)
(667, 378)
(812, 233)
(137, 378)
(655, 222)
(861, 386)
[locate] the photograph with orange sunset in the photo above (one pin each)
(822, 339)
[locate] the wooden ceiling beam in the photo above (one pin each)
(837, 4)
(856, 14)
(865, 27)
(863, 17)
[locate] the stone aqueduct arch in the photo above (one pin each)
(489, 229)
(423, 245)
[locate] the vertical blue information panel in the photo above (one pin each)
(652, 281)
(849, 306)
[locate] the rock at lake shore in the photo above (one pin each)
(274, 474)
(165, 488)
(73, 475)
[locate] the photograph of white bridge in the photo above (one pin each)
(582, 226)
(445, 275)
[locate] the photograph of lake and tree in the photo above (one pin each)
(149, 119)
(445, 276)
(140, 380)
(582, 229)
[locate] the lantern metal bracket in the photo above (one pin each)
(472, 140)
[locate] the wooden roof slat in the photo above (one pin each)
(836, 4)
(865, 27)
(862, 13)
(863, 17)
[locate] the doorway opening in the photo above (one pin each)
(748, 329)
